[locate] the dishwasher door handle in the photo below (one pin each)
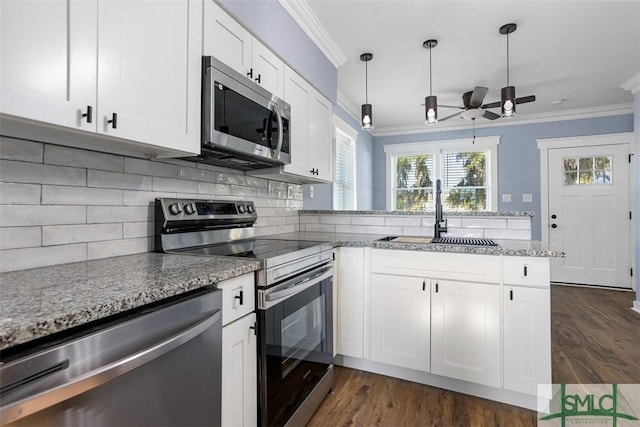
(92, 379)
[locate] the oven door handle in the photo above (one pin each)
(282, 292)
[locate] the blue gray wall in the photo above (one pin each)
(268, 20)
(323, 193)
(518, 156)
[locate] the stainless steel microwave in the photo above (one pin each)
(243, 125)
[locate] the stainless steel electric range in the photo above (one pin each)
(294, 291)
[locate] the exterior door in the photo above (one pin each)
(589, 214)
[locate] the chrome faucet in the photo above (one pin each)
(438, 227)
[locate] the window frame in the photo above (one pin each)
(488, 144)
(340, 127)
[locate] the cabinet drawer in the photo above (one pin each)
(437, 265)
(528, 271)
(238, 297)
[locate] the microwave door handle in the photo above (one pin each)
(280, 131)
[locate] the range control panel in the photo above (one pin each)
(203, 210)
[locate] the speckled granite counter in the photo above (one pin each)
(41, 301)
(505, 247)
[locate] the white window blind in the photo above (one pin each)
(344, 183)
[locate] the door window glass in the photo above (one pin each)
(592, 170)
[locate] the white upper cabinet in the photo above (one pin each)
(228, 41)
(148, 72)
(48, 61)
(310, 130)
(125, 69)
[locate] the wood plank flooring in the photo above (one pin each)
(595, 338)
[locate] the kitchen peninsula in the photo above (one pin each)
(472, 319)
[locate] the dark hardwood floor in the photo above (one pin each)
(595, 338)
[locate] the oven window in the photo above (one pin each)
(301, 333)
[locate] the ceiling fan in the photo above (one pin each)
(473, 107)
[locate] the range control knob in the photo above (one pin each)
(250, 209)
(241, 209)
(175, 209)
(189, 209)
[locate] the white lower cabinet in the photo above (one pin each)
(349, 284)
(400, 321)
(465, 331)
(527, 338)
(239, 373)
(239, 352)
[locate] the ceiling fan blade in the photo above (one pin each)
(477, 96)
(448, 117)
(491, 115)
(491, 105)
(451, 106)
(524, 99)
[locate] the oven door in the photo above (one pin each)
(295, 346)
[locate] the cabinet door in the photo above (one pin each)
(527, 339)
(349, 283)
(320, 150)
(239, 373)
(149, 68)
(48, 60)
(400, 321)
(297, 93)
(226, 39)
(268, 69)
(465, 331)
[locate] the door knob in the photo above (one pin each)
(554, 225)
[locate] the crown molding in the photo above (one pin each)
(302, 14)
(347, 105)
(582, 113)
(632, 85)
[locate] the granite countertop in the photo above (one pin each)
(505, 247)
(423, 213)
(38, 302)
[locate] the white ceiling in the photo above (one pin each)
(579, 52)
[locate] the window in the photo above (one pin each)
(587, 170)
(467, 172)
(344, 183)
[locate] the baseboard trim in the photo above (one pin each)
(581, 285)
(636, 306)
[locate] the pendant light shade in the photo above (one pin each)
(367, 114)
(508, 93)
(431, 109)
(431, 101)
(367, 109)
(508, 101)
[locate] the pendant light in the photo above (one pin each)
(508, 93)
(367, 110)
(430, 102)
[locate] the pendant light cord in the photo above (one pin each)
(430, 75)
(366, 82)
(507, 59)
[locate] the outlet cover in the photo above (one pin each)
(506, 198)
(527, 198)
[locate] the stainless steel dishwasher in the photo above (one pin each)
(160, 366)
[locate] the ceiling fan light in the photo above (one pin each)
(508, 101)
(367, 116)
(431, 109)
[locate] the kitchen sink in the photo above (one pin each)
(441, 240)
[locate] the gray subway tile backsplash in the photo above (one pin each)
(60, 204)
